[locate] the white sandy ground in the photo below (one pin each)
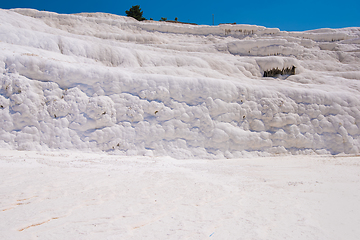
(72, 195)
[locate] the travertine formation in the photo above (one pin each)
(110, 83)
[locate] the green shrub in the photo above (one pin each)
(135, 12)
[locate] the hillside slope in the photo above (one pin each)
(102, 82)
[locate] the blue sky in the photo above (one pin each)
(286, 15)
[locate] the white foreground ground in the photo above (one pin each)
(69, 195)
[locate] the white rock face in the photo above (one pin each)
(110, 83)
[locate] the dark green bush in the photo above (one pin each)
(135, 12)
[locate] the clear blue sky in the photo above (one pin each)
(286, 15)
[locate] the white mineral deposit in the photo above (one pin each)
(112, 128)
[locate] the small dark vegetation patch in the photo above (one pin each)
(275, 71)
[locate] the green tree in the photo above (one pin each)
(135, 12)
(163, 19)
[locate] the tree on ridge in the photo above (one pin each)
(135, 12)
